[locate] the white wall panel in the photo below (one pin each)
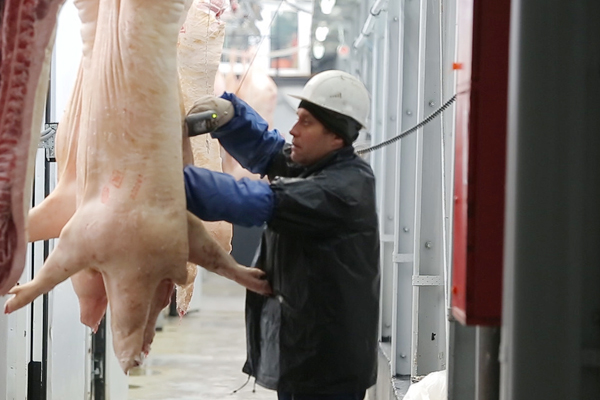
(67, 54)
(14, 354)
(69, 364)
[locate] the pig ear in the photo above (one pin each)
(61, 264)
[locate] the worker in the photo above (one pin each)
(316, 336)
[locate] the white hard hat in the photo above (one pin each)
(340, 92)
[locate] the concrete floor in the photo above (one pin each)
(200, 356)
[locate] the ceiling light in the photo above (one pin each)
(327, 6)
(321, 33)
(318, 50)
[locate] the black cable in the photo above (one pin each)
(411, 130)
(241, 387)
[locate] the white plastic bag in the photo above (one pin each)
(432, 387)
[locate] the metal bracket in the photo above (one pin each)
(403, 257)
(47, 140)
(427, 280)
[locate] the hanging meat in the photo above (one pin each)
(257, 88)
(127, 236)
(198, 54)
(27, 40)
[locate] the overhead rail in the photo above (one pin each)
(367, 28)
(297, 7)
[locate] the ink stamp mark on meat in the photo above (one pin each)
(116, 178)
(137, 186)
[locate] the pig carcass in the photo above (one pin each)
(199, 53)
(199, 49)
(199, 45)
(254, 85)
(259, 90)
(27, 40)
(130, 233)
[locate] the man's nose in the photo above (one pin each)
(294, 131)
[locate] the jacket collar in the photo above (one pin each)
(345, 153)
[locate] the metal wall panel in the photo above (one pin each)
(385, 178)
(461, 362)
(407, 63)
(408, 76)
(4, 365)
(430, 316)
(14, 349)
(69, 362)
(117, 386)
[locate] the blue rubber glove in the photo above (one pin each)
(215, 196)
(247, 137)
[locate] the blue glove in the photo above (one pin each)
(247, 137)
(215, 196)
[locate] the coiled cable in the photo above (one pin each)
(411, 130)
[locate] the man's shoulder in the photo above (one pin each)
(354, 165)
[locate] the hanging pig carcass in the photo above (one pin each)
(199, 48)
(129, 236)
(27, 40)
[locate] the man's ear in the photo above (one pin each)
(338, 142)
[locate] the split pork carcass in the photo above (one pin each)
(259, 90)
(199, 53)
(129, 229)
(27, 39)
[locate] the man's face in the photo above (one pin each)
(311, 141)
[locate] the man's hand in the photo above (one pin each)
(224, 109)
(253, 279)
(207, 253)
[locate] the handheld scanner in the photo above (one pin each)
(200, 123)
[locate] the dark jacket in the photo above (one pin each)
(318, 333)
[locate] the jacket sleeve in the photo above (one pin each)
(215, 196)
(247, 137)
(320, 205)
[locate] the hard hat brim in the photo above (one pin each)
(362, 123)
